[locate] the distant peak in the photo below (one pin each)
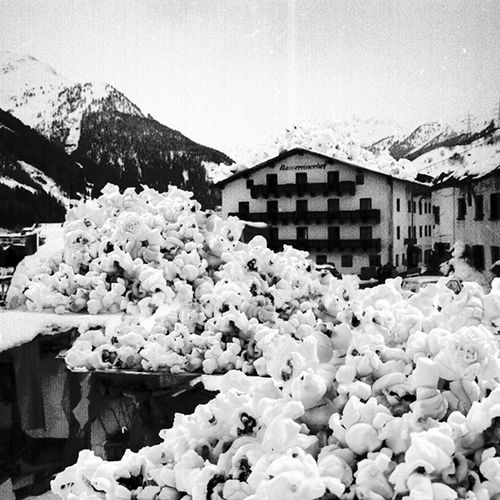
(12, 61)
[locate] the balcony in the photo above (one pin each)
(410, 241)
(341, 216)
(354, 215)
(300, 190)
(373, 244)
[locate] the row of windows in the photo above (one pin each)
(423, 207)
(302, 206)
(301, 179)
(412, 231)
(346, 260)
(479, 206)
(302, 233)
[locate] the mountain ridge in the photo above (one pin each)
(120, 143)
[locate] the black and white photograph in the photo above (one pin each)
(250, 250)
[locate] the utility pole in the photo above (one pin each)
(469, 125)
(497, 109)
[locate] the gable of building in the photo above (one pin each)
(324, 159)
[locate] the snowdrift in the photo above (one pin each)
(362, 393)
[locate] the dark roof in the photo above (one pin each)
(450, 179)
(301, 151)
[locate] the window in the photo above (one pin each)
(398, 233)
(365, 232)
(360, 179)
(321, 259)
(414, 230)
(302, 233)
(414, 207)
(469, 199)
(346, 260)
(272, 180)
(243, 207)
(272, 206)
(374, 260)
(409, 231)
(479, 207)
(425, 230)
(495, 254)
(397, 260)
(420, 231)
(437, 215)
(301, 206)
(333, 178)
(365, 203)
(462, 209)
(420, 207)
(495, 206)
(273, 233)
(430, 230)
(478, 257)
(249, 183)
(409, 206)
(403, 260)
(398, 205)
(333, 204)
(301, 178)
(333, 233)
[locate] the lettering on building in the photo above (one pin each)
(314, 166)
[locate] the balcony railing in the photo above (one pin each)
(340, 216)
(303, 189)
(373, 244)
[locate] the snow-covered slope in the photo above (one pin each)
(475, 159)
(431, 149)
(37, 178)
(28, 88)
(341, 140)
(49, 103)
(104, 131)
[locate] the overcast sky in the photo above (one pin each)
(230, 73)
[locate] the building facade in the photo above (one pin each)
(342, 213)
(468, 210)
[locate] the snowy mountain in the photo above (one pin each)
(37, 178)
(49, 103)
(476, 157)
(428, 136)
(104, 130)
(394, 150)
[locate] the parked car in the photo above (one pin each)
(412, 284)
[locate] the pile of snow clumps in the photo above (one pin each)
(360, 394)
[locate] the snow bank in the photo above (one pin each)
(367, 394)
(20, 327)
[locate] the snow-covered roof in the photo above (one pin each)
(299, 151)
(461, 163)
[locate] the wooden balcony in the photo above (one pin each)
(300, 190)
(340, 216)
